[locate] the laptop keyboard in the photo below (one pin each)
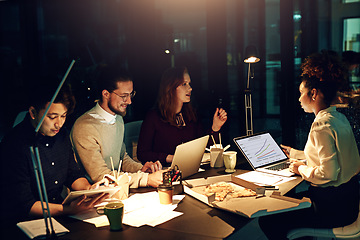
(280, 166)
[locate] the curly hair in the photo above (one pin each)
(324, 71)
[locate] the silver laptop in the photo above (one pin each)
(264, 154)
(188, 156)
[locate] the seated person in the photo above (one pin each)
(97, 136)
(57, 159)
(174, 120)
(332, 157)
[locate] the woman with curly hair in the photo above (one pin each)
(174, 120)
(331, 154)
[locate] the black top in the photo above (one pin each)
(18, 182)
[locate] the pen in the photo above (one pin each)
(269, 187)
(175, 176)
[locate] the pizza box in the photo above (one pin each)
(250, 207)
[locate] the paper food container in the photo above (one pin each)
(250, 207)
(122, 182)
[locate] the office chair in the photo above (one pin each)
(350, 231)
(131, 136)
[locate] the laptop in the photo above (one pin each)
(264, 154)
(188, 156)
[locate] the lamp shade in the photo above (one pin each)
(251, 55)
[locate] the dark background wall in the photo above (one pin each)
(208, 36)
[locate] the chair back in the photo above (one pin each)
(20, 117)
(131, 136)
(350, 231)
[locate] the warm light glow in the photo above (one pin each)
(176, 40)
(252, 60)
(167, 51)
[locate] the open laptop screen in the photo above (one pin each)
(260, 149)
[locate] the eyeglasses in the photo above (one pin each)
(126, 95)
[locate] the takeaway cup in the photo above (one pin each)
(165, 193)
(230, 161)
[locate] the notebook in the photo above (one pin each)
(188, 156)
(264, 154)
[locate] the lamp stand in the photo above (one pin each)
(248, 107)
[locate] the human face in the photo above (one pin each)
(116, 103)
(305, 98)
(54, 120)
(183, 91)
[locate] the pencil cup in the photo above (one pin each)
(230, 161)
(216, 157)
(114, 212)
(165, 193)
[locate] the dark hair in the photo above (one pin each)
(351, 57)
(42, 93)
(324, 71)
(170, 80)
(109, 77)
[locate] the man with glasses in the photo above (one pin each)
(97, 136)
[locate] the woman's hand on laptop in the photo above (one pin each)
(294, 165)
(286, 150)
(151, 167)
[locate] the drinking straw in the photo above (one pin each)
(112, 166)
(220, 140)
(212, 137)
(119, 168)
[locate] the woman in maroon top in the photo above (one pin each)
(174, 121)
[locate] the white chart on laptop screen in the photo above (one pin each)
(261, 150)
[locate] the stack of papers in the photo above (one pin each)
(140, 209)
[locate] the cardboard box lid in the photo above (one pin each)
(250, 207)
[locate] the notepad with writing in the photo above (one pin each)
(36, 228)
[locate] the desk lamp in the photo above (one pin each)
(35, 157)
(250, 57)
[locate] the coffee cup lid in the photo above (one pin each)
(165, 187)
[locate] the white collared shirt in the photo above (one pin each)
(103, 115)
(331, 151)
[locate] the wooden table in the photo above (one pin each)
(199, 220)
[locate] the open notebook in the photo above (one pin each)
(264, 154)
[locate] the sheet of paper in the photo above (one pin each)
(36, 228)
(99, 221)
(167, 216)
(145, 209)
(264, 178)
(139, 209)
(148, 215)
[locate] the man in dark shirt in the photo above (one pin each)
(57, 159)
